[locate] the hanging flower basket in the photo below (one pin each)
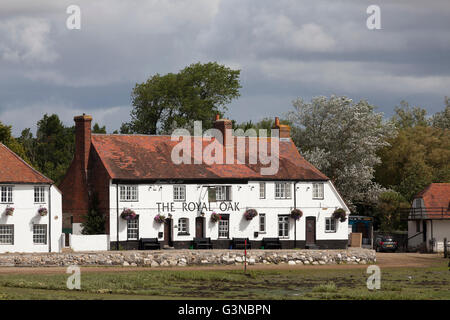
(159, 218)
(296, 214)
(215, 217)
(249, 214)
(42, 211)
(128, 214)
(340, 214)
(9, 211)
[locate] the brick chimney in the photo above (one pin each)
(225, 126)
(82, 139)
(284, 129)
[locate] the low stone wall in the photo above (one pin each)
(165, 258)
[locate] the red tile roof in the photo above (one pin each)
(14, 169)
(133, 157)
(436, 195)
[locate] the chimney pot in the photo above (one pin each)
(217, 117)
(277, 121)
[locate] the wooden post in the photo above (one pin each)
(245, 256)
(445, 248)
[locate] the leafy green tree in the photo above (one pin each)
(94, 221)
(416, 157)
(8, 140)
(97, 129)
(198, 92)
(265, 123)
(407, 117)
(55, 144)
(389, 211)
(442, 119)
(342, 138)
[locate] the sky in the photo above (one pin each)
(285, 49)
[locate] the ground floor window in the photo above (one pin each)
(262, 223)
(133, 229)
(224, 227)
(6, 234)
(330, 225)
(283, 226)
(183, 226)
(39, 233)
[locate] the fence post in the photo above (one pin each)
(445, 248)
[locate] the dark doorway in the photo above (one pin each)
(310, 230)
(168, 232)
(199, 227)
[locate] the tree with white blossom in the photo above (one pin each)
(341, 138)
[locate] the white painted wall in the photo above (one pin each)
(437, 229)
(26, 214)
(97, 242)
(248, 197)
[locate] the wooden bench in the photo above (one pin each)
(239, 243)
(271, 243)
(149, 244)
(202, 243)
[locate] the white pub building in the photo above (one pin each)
(30, 207)
(144, 194)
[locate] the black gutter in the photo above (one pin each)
(50, 218)
(117, 218)
(295, 221)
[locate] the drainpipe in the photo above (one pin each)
(295, 221)
(117, 218)
(50, 218)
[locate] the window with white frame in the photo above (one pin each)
(262, 190)
(219, 193)
(6, 194)
(179, 193)
(283, 226)
(129, 193)
(317, 190)
(282, 190)
(39, 233)
(330, 225)
(39, 194)
(6, 234)
(224, 227)
(133, 229)
(262, 223)
(183, 226)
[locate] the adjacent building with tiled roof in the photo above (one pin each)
(30, 207)
(142, 174)
(429, 218)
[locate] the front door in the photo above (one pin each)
(310, 230)
(199, 222)
(168, 232)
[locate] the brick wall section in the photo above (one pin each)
(86, 176)
(99, 179)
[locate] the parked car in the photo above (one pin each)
(385, 243)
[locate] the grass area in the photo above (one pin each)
(336, 283)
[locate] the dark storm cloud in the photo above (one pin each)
(285, 49)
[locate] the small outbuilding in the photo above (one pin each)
(429, 218)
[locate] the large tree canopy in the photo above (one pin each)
(341, 138)
(198, 92)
